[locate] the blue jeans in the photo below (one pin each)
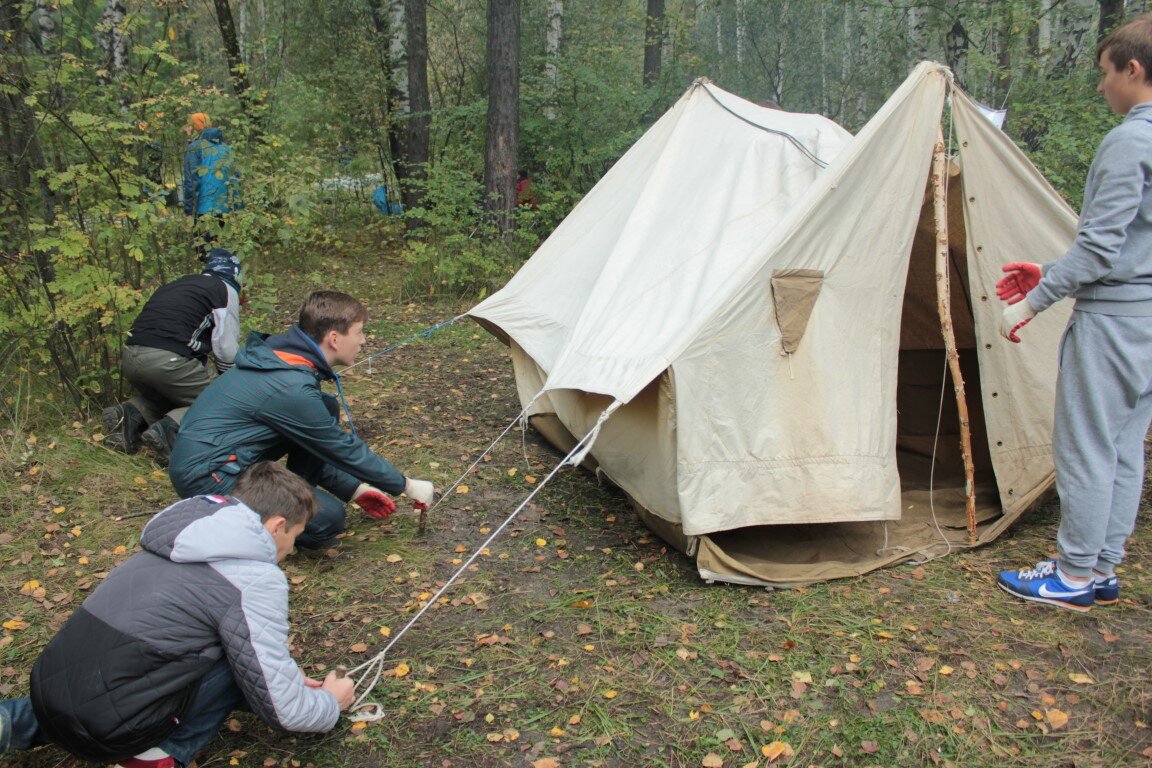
(217, 698)
(322, 529)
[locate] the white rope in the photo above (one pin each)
(363, 711)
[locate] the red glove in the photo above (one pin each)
(1022, 277)
(375, 503)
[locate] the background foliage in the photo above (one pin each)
(95, 92)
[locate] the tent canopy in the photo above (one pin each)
(757, 288)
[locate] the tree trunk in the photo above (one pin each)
(236, 69)
(399, 107)
(502, 137)
(1111, 14)
(47, 25)
(419, 104)
(653, 41)
(112, 40)
(552, 55)
(741, 33)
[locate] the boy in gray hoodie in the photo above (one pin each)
(1104, 390)
(148, 668)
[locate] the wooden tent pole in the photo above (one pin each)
(944, 307)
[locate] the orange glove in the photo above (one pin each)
(1021, 278)
(375, 503)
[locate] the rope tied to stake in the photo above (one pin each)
(363, 711)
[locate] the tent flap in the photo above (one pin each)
(794, 293)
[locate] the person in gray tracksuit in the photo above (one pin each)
(1104, 389)
(148, 668)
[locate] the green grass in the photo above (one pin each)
(596, 661)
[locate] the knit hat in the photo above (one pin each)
(223, 264)
(199, 121)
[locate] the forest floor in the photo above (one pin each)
(579, 638)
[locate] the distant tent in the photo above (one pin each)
(766, 330)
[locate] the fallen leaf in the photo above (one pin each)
(359, 648)
(546, 762)
(465, 489)
(712, 760)
(802, 677)
(946, 670)
(1080, 677)
(29, 587)
(15, 625)
(775, 750)
(611, 694)
(402, 669)
(868, 747)
(1056, 718)
(394, 558)
(385, 632)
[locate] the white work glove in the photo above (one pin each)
(420, 491)
(1015, 317)
(375, 503)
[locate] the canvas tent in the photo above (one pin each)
(752, 297)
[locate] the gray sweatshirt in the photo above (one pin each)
(1109, 267)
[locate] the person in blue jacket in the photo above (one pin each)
(270, 405)
(211, 183)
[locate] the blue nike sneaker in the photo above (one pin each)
(1107, 587)
(1043, 584)
(1107, 590)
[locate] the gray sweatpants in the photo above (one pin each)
(165, 383)
(1103, 409)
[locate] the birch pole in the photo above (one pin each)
(944, 307)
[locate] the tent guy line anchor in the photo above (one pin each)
(368, 711)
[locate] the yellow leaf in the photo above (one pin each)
(541, 542)
(402, 669)
(556, 731)
(357, 727)
(139, 480)
(693, 715)
(120, 550)
(776, 749)
(529, 479)
(946, 670)
(58, 510)
(15, 625)
(611, 694)
(77, 531)
(802, 677)
(82, 560)
(574, 720)
(512, 473)
(546, 762)
(29, 587)
(464, 489)
(384, 631)
(394, 558)
(1076, 677)
(511, 734)
(494, 737)
(1056, 718)
(172, 34)
(712, 760)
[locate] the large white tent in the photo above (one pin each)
(753, 295)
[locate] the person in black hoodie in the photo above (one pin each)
(165, 356)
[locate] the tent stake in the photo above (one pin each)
(944, 307)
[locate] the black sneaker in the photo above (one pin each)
(122, 425)
(161, 438)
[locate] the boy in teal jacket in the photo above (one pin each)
(270, 405)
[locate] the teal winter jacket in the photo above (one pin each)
(268, 405)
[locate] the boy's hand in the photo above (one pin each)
(374, 502)
(1015, 317)
(1021, 277)
(343, 688)
(311, 682)
(420, 491)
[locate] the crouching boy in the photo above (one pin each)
(148, 668)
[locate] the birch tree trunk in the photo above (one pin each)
(503, 130)
(741, 32)
(112, 40)
(552, 41)
(419, 103)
